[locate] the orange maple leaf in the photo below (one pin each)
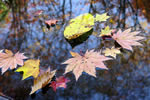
(10, 60)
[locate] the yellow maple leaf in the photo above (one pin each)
(106, 31)
(42, 80)
(111, 52)
(73, 54)
(79, 25)
(30, 68)
(101, 17)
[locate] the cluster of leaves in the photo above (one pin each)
(80, 62)
(29, 68)
(90, 60)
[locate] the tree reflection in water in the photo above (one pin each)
(22, 30)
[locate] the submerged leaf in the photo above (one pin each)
(60, 82)
(127, 39)
(10, 60)
(112, 52)
(30, 68)
(86, 63)
(42, 80)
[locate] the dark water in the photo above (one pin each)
(128, 77)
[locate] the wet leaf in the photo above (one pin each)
(127, 39)
(30, 68)
(10, 60)
(42, 80)
(87, 63)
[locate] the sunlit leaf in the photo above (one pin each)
(10, 60)
(30, 68)
(87, 63)
(79, 26)
(101, 17)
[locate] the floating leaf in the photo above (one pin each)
(80, 39)
(106, 32)
(87, 63)
(101, 17)
(127, 39)
(79, 26)
(42, 80)
(10, 60)
(30, 68)
(111, 52)
(60, 82)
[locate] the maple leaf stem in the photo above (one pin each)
(81, 53)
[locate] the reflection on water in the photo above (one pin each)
(23, 29)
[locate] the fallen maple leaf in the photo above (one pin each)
(10, 60)
(42, 80)
(106, 31)
(30, 68)
(101, 17)
(127, 39)
(60, 82)
(88, 62)
(111, 52)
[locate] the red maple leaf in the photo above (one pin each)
(127, 39)
(60, 82)
(87, 63)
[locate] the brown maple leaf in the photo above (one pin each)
(87, 63)
(10, 60)
(42, 80)
(127, 39)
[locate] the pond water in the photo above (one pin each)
(21, 29)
